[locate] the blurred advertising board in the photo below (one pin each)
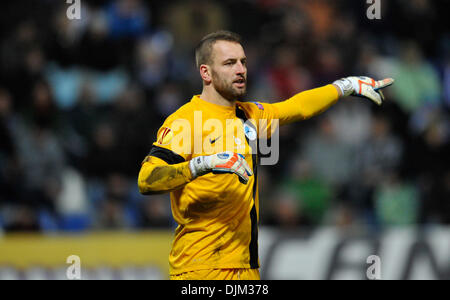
(106, 255)
(329, 253)
(325, 253)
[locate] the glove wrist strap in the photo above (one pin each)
(345, 85)
(199, 166)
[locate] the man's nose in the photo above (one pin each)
(241, 68)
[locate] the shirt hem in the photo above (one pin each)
(197, 268)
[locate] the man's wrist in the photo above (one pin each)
(199, 166)
(344, 87)
(193, 166)
(338, 89)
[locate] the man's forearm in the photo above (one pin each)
(155, 177)
(307, 104)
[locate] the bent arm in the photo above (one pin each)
(307, 104)
(156, 176)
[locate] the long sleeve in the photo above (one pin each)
(156, 176)
(306, 104)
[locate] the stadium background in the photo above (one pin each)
(81, 100)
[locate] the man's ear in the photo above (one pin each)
(205, 73)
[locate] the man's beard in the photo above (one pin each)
(226, 90)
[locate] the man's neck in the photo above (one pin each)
(212, 96)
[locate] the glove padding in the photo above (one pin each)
(363, 86)
(224, 162)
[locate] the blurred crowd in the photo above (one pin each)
(81, 101)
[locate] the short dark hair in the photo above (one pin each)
(203, 50)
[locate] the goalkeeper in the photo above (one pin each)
(214, 190)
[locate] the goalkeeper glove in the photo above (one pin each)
(363, 86)
(224, 162)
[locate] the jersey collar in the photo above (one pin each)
(222, 109)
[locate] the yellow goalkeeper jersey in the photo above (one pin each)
(217, 215)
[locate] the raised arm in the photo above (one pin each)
(309, 103)
(306, 104)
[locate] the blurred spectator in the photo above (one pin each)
(111, 216)
(155, 212)
(111, 213)
(103, 157)
(82, 119)
(446, 80)
(98, 50)
(131, 119)
(312, 197)
(62, 40)
(408, 12)
(417, 82)
(168, 99)
(42, 111)
(9, 164)
(83, 115)
(6, 117)
(286, 211)
(428, 160)
(152, 59)
(72, 203)
(396, 203)
(191, 20)
(376, 160)
(65, 84)
(22, 218)
(22, 61)
(41, 159)
(381, 153)
(40, 155)
(352, 120)
(329, 63)
(127, 18)
(341, 215)
(329, 158)
(286, 77)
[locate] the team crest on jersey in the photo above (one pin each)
(250, 132)
(259, 105)
(165, 135)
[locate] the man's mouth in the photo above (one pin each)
(240, 83)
